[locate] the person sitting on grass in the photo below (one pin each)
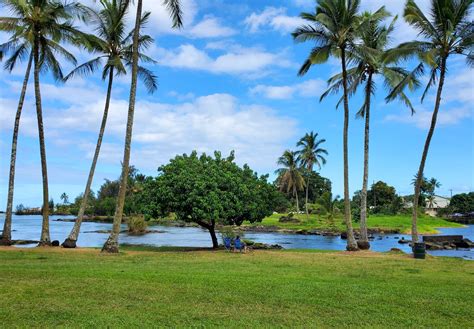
(239, 245)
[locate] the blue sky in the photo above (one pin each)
(228, 82)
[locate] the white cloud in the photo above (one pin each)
(250, 62)
(422, 118)
(210, 27)
(309, 88)
(208, 123)
(272, 17)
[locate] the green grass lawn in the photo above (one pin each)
(426, 224)
(80, 288)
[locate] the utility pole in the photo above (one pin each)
(451, 190)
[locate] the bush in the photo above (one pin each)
(227, 232)
(137, 225)
(316, 209)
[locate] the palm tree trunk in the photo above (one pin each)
(45, 239)
(307, 193)
(111, 245)
(7, 225)
(419, 178)
(71, 241)
(351, 242)
(297, 201)
(364, 240)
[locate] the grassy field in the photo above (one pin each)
(80, 288)
(426, 224)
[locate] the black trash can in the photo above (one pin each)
(419, 250)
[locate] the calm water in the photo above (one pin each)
(29, 228)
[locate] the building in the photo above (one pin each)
(433, 205)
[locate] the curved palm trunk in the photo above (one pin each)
(414, 228)
(7, 225)
(45, 239)
(111, 245)
(364, 240)
(351, 242)
(71, 241)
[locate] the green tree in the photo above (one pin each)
(37, 30)
(367, 57)
(448, 31)
(290, 178)
(333, 27)
(208, 191)
(462, 203)
(114, 46)
(173, 6)
(383, 199)
(311, 154)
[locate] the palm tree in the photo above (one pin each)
(447, 32)
(329, 204)
(289, 176)
(38, 27)
(173, 6)
(65, 198)
(367, 56)
(334, 27)
(311, 154)
(114, 47)
(18, 52)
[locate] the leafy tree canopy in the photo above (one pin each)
(207, 190)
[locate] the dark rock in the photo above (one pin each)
(464, 244)
(403, 241)
(434, 246)
(55, 243)
(469, 243)
(289, 219)
(344, 235)
(396, 250)
(264, 246)
(443, 238)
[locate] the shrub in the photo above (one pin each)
(137, 225)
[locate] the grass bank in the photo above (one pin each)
(80, 288)
(402, 223)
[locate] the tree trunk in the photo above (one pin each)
(307, 192)
(297, 201)
(364, 240)
(351, 242)
(419, 179)
(45, 239)
(111, 245)
(7, 225)
(71, 241)
(212, 232)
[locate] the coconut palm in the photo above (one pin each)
(333, 27)
(173, 6)
(447, 31)
(311, 154)
(290, 178)
(37, 30)
(114, 48)
(367, 57)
